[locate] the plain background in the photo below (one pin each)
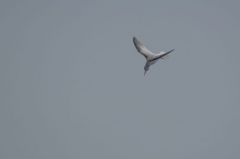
(72, 83)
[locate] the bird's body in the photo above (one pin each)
(151, 58)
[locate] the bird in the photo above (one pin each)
(151, 57)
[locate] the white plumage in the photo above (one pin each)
(150, 57)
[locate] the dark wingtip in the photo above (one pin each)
(171, 50)
(135, 40)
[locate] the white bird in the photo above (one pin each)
(150, 57)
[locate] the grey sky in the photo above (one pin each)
(72, 83)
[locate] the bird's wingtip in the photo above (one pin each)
(134, 39)
(172, 50)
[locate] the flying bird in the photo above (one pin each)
(150, 57)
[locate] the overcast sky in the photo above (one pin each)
(72, 83)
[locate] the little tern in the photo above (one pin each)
(150, 57)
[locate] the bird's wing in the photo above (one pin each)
(141, 48)
(162, 55)
(166, 53)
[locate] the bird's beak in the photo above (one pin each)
(145, 73)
